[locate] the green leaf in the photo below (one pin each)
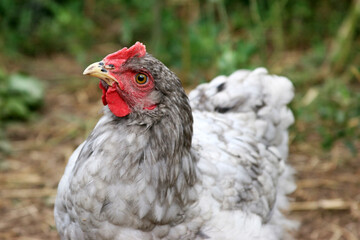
(14, 108)
(29, 88)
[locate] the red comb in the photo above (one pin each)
(137, 50)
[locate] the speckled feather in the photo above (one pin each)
(213, 167)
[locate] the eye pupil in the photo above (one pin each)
(141, 78)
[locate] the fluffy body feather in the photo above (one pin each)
(217, 171)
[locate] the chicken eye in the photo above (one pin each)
(141, 78)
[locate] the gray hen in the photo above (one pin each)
(158, 166)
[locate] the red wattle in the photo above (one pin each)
(116, 104)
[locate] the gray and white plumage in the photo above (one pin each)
(211, 167)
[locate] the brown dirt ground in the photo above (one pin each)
(326, 201)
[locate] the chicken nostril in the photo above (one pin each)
(110, 66)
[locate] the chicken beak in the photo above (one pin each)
(98, 70)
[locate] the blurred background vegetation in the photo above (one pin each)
(314, 43)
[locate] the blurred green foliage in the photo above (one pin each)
(19, 96)
(199, 39)
(40, 27)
